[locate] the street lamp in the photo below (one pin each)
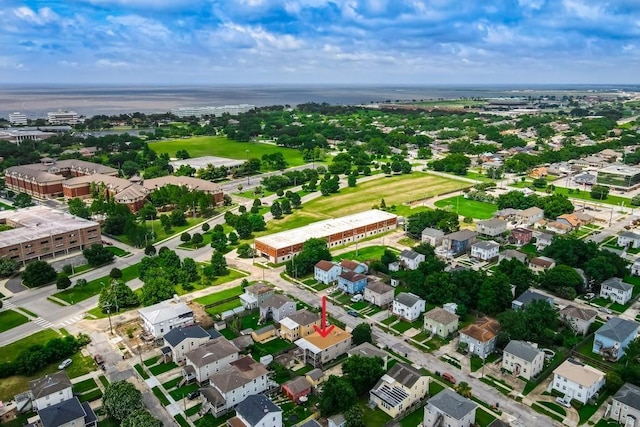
(248, 173)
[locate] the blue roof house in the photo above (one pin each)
(351, 282)
(613, 337)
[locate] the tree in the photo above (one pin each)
(78, 208)
(196, 239)
(295, 199)
(157, 287)
(599, 192)
(561, 276)
(8, 266)
(177, 218)
(185, 237)
(354, 417)
(97, 255)
(38, 273)
(121, 399)
(218, 264)
(337, 396)
(205, 227)
(463, 389)
(243, 227)
(245, 250)
(285, 204)
(233, 238)
(150, 250)
(141, 418)
(63, 281)
(115, 273)
(22, 200)
(80, 283)
(351, 180)
(115, 296)
(361, 334)
(363, 372)
(219, 240)
(313, 250)
(495, 294)
(519, 274)
(190, 268)
(276, 210)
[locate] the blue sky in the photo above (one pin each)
(320, 41)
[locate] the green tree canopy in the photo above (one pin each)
(38, 273)
(361, 334)
(313, 250)
(121, 399)
(337, 396)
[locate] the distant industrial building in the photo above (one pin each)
(40, 232)
(204, 161)
(619, 177)
(281, 247)
(20, 135)
(18, 119)
(212, 111)
(63, 117)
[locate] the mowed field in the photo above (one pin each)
(394, 190)
(222, 147)
(466, 207)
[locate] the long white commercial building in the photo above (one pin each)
(212, 111)
(281, 247)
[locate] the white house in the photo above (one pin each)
(50, 390)
(449, 409)
(410, 259)
(317, 350)
(485, 250)
(160, 318)
(492, 227)
(616, 290)
(277, 307)
(580, 319)
(408, 306)
(481, 336)
(378, 293)
(577, 381)
(326, 272)
(522, 359)
(635, 267)
(625, 407)
(180, 341)
(209, 358)
(68, 413)
(255, 295)
(628, 239)
(543, 240)
(530, 216)
(257, 410)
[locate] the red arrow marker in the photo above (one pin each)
(323, 330)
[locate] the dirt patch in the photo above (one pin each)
(201, 316)
(131, 335)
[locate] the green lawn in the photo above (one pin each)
(483, 418)
(467, 208)
(117, 251)
(9, 352)
(554, 407)
(181, 392)
(413, 419)
(363, 254)
(162, 368)
(222, 147)
(75, 294)
(9, 319)
(140, 370)
(586, 195)
(272, 347)
(218, 309)
(395, 190)
(233, 275)
(219, 296)
(103, 380)
(181, 421)
(84, 386)
(160, 395)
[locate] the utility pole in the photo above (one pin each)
(248, 173)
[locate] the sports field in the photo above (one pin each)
(394, 190)
(466, 207)
(222, 147)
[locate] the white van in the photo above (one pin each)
(356, 298)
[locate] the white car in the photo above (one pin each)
(64, 363)
(563, 402)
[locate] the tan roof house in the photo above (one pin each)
(481, 336)
(317, 350)
(541, 264)
(577, 381)
(440, 322)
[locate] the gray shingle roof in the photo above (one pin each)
(461, 235)
(405, 374)
(485, 244)
(529, 295)
(617, 283)
(177, 335)
(210, 352)
(409, 254)
(628, 394)
(441, 315)
(407, 299)
(432, 232)
(62, 413)
(522, 350)
(276, 301)
(578, 313)
(618, 329)
(378, 287)
(493, 222)
(304, 317)
(49, 384)
(367, 349)
(255, 407)
(451, 403)
(630, 235)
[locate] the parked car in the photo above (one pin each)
(64, 363)
(563, 401)
(447, 376)
(589, 296)
(192, 395)
(356, 298)
(604, 310)
(353, 313)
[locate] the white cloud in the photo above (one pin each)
(582, 10)
(107, 63)
(139, 24)
(41, 17)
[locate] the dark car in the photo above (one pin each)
(193, 395)
(353, 313)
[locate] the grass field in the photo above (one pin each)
(219, 296)
(117, 251)
(10, 319)
(363, 254)
(222, 147)
(466, 207)
(74, 294)
(394, 190)
(9, 352)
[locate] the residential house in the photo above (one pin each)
(577, 381)
(209, 358)
(315, 377)
(540, 264)
(539, 172)
(233, 384)
(492, 227)
(310, 423)
(530, 216)
(367, 349)
(485, 250)
(160, 318)
(506, 214)
(459, 242)
(543, 240)
(585, 179)
(510, 254)
(184, 339)
(440, 322)
(68, 413)
(558, 227)
(432, 236)
(408, 306)
(337, 420)
(625, 406)
(579, 319)
(584, 218)
(629, 240)
(296, 388)
(526, 297)
(317, 350)
(571, 220)
(264, 334)
(613, 337)
(522, 359)
(450, 409)
(355, 266)
(410, 259)
(609, 155)
(50, 389)
(379, 293)
(352, 282)
(326, 272)
(299, 325)
(257, 410)
(399, 389)
(255, 295)
(481, 336)
(616, 290)
(635, 267)
(521, 236)
(276, 308)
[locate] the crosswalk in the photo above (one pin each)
(8, 305)
(70, 321)
(43, 323)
